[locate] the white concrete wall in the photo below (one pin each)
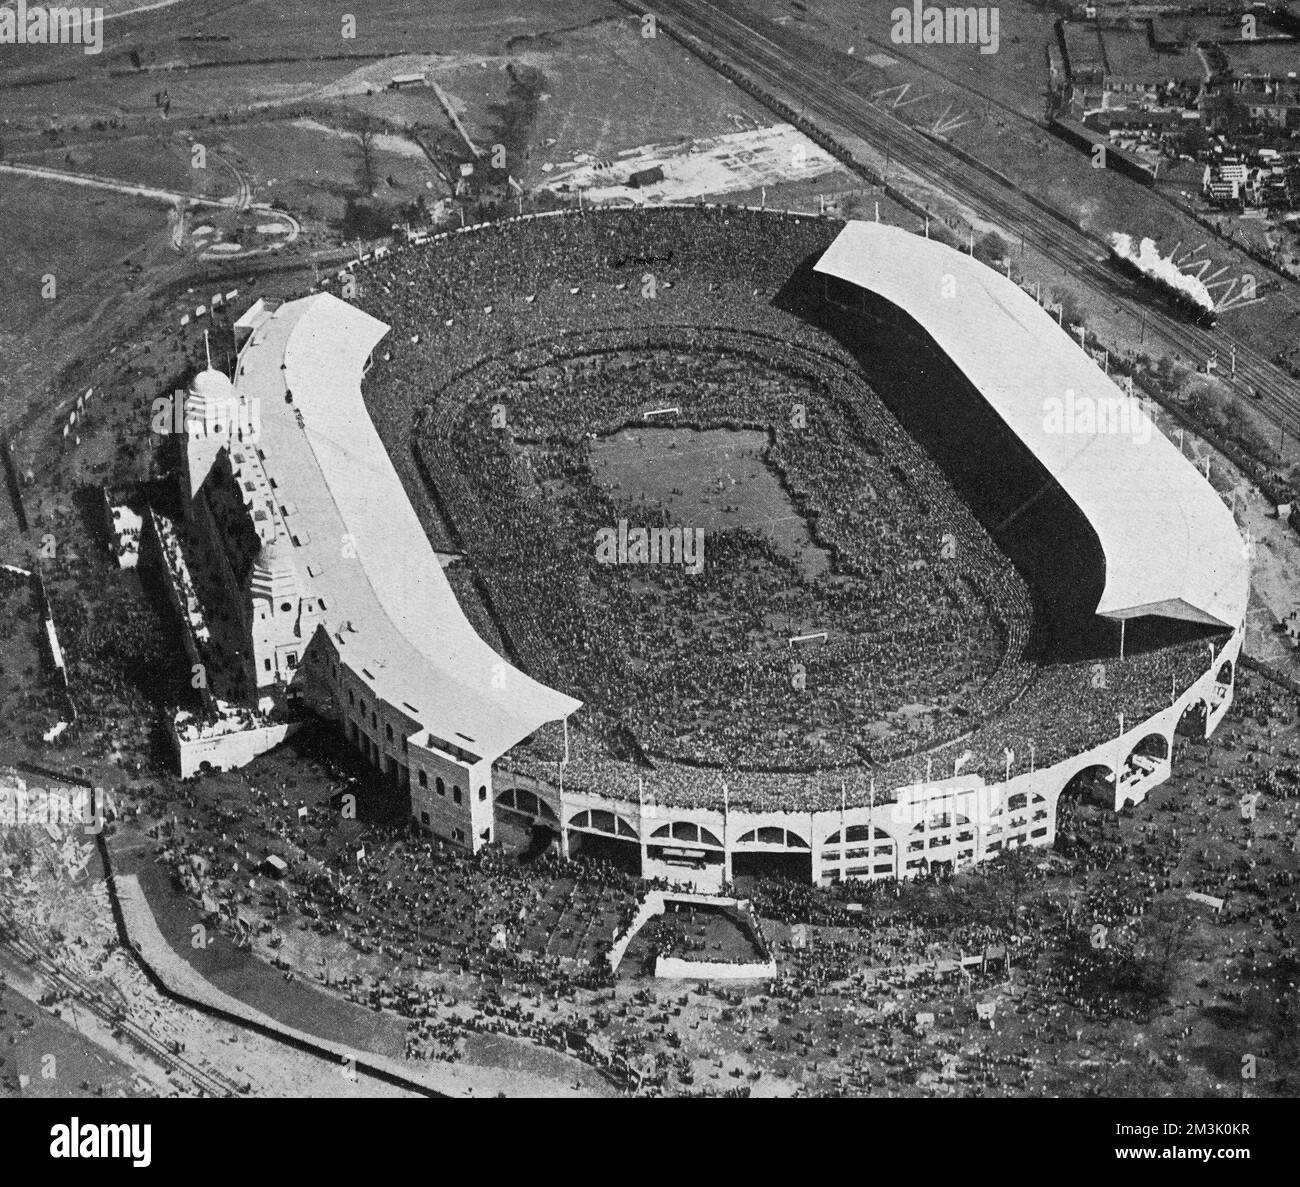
(228, 751)
(986, 806)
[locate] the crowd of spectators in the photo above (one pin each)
(513, 348)
(1097, 935)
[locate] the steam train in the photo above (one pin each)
(1175, 299)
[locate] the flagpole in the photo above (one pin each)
(726, 840)
(844, 836)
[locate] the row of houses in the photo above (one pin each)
(1236, 184)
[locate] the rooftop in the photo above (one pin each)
(1171, 546)
(357, 545)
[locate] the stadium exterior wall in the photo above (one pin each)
(958, 822)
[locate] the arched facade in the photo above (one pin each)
(946, 824)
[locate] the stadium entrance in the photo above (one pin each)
(605, 836)
(771, 852)
(525, 824)
(1085, 811)
(1193, 722)
(794, 867)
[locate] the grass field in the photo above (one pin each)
(612, 85)
(302, 49)
(311, 169)
(1128, 52)
(87, 242)
(716, 480)
(78, 239)
(159, 158)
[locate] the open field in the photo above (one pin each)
(602, 87)
(160, 158)
(78, 239)
(1264, 57)
(725, 482)
(228, 57)
(94, 245)
(312, 169)
(1128, 52)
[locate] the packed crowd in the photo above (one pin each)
(531, 327)
(660, 652)
(491, 946)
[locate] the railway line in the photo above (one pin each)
(712, 29)
(68, 987)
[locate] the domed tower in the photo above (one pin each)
(275, 597)
(210, 410)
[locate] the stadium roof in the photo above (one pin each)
(355, 540)
(1171, 546)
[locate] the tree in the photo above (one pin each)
(1015, 870)
(366, 163)
(1164, 944)
(991, 248)
(1071, 310)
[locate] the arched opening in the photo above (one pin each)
(1145, 762)
(686, 846)
(1152, 746)
(685, 830)
(605, 836)
(1225, 673)
(1193, 721)
(1085, 809)
(771, 852)
(524, 823)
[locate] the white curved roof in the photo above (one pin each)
(355, 541)
(1171, 545)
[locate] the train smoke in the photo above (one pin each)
(1149, 261)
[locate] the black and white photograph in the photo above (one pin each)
(591, 550)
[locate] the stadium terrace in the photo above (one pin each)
(351, 616)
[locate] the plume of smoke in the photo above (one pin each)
(1148, 259)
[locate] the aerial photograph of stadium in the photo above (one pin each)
(566, 549)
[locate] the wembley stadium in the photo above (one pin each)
(720, 541)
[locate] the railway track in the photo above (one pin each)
(712, 29)
(115, 1014)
